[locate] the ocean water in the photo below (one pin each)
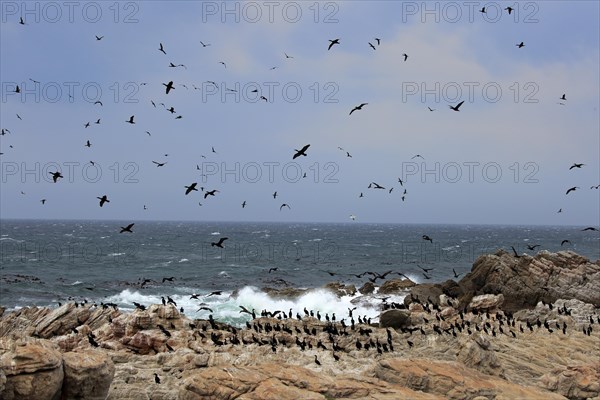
(46, 262)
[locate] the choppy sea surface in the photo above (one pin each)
(46, 262)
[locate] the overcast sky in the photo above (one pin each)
(504, 158)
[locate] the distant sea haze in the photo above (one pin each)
(46, 262)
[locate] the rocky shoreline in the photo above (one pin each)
(524, 327)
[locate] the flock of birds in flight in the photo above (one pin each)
(170, 86)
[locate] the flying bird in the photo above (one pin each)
(103, 200)
(219, 243)
(130, 121)
(284, 205)
(244, 204)
(456, 108)
(221, 62)
(405, 56)
(565, 242)
(532, 248)
(575, 165)
(520, 45)
(204, 44)
(378, 41)
(171, 65)
(358, 107)
(563, 97)
(210, 193)
(332, 42)
(88, 144)
(371, 45)
(162, 49)
(99, 37)
(509, 9)
(589, 228)
(43, 201)
(286, 56)
(425, 237)
(190, 188)
(127, 228)
(159, 164)
(168, 86)
(431, 109)
(483, 10)
(301, 152)
(55, 176)
(417, 156)
(572, 189)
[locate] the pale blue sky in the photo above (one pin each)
(525, 134)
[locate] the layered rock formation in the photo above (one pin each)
(439, 348)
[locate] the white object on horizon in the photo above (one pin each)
(352, 217)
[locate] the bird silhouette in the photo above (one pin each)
(456, 108)
(509, 9)
(378, 41)
(43, 201)
(532, 248)
(575, 165)
(284, 205)
(520, 45)
(358, 107)
(371, 45)
(99, 37)
(332, 42)
(130, 121)
(127, 228)
(204, 44)
(161, 48)
(103, 199)
(169, 87)
(301, 152)
(425, 237)
(566, 241)
(210, 193)
(589, 228)
(219, 243)
(190, 188)
(572, 189)
(88, 144)
(244, 204)
(405, 56)
(55, 176)
(159, 164)
(563, 97)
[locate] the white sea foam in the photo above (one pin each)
(225, 307)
